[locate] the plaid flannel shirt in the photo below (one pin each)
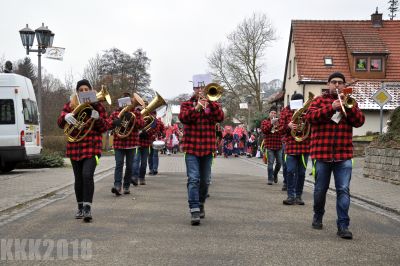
(146, 140)
(159, 131)
(133, 139)
(283, 114)
(292, 147)
(331, 141)
(92, 144)
(199, 127)
(272, 141)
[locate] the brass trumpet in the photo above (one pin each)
(81, 112)
(212, 92)
(347, 100)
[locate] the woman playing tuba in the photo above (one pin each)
(85, 153)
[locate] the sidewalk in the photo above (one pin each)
(25, 185)
(378, 193)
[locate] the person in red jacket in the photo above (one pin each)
(199, 117)
(124, 148)
(84, 154)
(273, 144)
(332, 151)
(297, 153)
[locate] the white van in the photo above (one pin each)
(19, 121)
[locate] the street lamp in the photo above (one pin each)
(45, 39)
(248, 100)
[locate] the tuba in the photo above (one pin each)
(212, 92)
(128, 123)
(146, 112)
(82, 112)
(302, 131)
(347, 100)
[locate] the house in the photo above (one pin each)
(367, 52)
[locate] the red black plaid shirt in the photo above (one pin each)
(147, 139)
(92, 144)
(283, 114)
(272, 141)
(159, 131)
(331, 141)
(292, 147)
(199, 127)
(133, 139)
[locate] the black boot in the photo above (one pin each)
(195, 218)
(202, 212)
(87, 214)
(289, 201)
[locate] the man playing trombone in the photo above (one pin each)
(332, 150)
(199, 115)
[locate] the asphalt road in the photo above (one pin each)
(245, 224)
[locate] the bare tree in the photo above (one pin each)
(237, 65)
(92, 71)
(393, 7)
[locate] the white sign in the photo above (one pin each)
(55, 53)
(296, 104)
(201, 80)
(382, 97)
(243, 106)
(87, 96)
(125, 101)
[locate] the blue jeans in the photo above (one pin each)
(342, 174)
(120, 154)
(284, 167)
(198, 170)
(272, 156)
(140, 162)
(153, 160)
(296, 173)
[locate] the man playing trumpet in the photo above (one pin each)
(273, 144)
(332, 150)
(199, 116)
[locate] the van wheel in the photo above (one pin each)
(7, 168)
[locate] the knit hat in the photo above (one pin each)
(297, 96)
(273, 108)
(83, 82)
(336, 75)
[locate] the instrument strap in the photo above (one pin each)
(97, 159)
(304, 161)
(313, 168)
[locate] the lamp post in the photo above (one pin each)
(45, 39)
(248, 100)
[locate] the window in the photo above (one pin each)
(30, 112)
(376, 64)
(328, 61)
(361, 64)
(294, 67)
(290, 68)
(7, 112)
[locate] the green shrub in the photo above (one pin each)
(391, 139)
(46, 160)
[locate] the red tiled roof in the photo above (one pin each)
(363, 92)
(314, 40)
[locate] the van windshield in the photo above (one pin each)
(7, 113)
(30, 112)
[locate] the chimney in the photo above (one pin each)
(376, 19)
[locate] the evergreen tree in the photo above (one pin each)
(27, 69)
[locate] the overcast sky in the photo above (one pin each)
(177, 35)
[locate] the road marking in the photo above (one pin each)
(27, 208)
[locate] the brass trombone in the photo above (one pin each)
(81, 112)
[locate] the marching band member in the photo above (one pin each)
(284, 166)
(84, 154)
(296, 157)
(332, 151)
(199, 117)
(273, 144)
(158, 134)
(124, 148)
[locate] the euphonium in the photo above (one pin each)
(347, 101)
(275, 125)
(128, 122)
(302, 131)
(146, 112)
(82, 112)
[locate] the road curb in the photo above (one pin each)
(353, 195)
(47, 194)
